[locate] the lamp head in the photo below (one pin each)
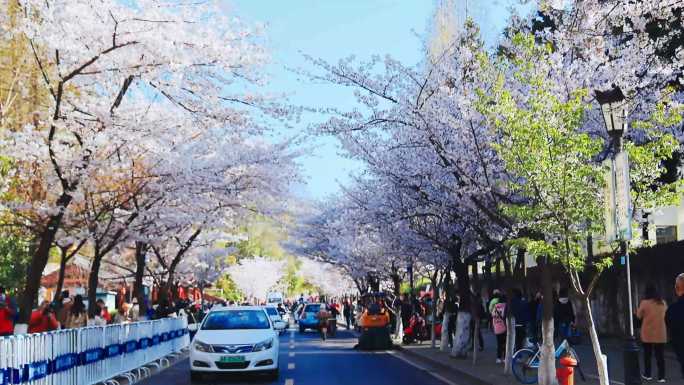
(614, 108)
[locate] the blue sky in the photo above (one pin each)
(335, 29)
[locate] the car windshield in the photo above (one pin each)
(312, 308)
(236, 319)
(271, 311)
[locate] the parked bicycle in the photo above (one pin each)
(525, 362)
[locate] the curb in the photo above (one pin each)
(173, 360)
(448, 368)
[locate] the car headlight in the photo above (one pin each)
(264, 345)
(202, 347)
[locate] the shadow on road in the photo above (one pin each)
(237, 378)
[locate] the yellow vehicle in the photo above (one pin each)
(374, 321)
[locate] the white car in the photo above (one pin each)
(274, 298)
(274, 315)
(236, 339)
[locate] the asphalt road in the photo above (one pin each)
(306, 360)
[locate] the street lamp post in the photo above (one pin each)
(614, 110)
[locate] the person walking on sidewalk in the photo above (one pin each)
(651, 312)
(323, 315)
(348, 312)
(498, 314)
(563, 315)
(534, 326)
(675, 321)
(520, 311)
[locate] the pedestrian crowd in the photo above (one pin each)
(659, 323)
(71, 312)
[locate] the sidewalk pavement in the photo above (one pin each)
(487, 372)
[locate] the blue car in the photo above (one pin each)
(307, 319)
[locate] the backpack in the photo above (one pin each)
(499, 318)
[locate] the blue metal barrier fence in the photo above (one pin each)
(89, 355)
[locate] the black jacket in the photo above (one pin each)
(674, 318)
(520, 310)
(563, 312)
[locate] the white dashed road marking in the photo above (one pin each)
(289, 381)
(292, 354)
(291, 366)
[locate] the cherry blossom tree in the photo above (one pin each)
(331, 280)
(104, 73)
(430, 168)
(431, 171)
(256, 276)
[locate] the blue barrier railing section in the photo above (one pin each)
(88, 355)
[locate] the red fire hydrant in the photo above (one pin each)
(566, 373)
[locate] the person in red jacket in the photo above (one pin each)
(103, 311)
(43, 319)
(7, 313)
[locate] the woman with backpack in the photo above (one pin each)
(498, 313)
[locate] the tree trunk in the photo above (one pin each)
(163, 294)
(374, 283)
(463, 280)
(412, 296)
(399, 330)
(462, 336)
(138, 288)
(476, 333)
(93, 282)
(475, 275)
(519, 270)
(460, 346)
(444, 340)
(62, 273)
(361, 285)
(396, 281)
(37, 265)
(505, 259)
(547, 361)
(497, 273)
(175, 291)
(510, 343)
(435, 302)
(487, 272)
(601, 363)
(168, 287)
(513, 276)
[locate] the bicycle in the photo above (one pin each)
(525, 362)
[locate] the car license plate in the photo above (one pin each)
(232, 359)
